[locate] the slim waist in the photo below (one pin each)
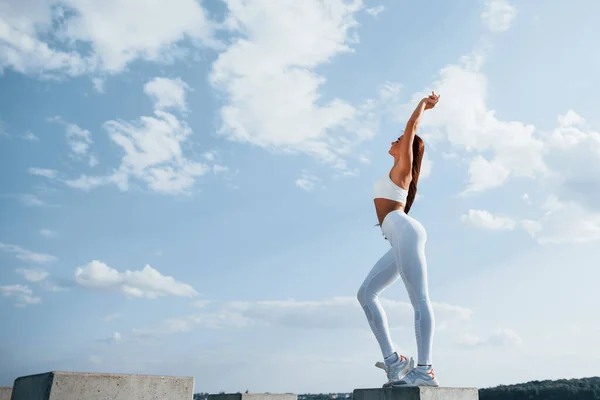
(394, 215)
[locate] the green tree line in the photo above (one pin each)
(561, 389)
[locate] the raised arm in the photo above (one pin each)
(406, 154)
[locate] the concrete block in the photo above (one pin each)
(417, 393)
(5, 392)
(252, 396)
(96, 386)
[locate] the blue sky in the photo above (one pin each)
(186, 189)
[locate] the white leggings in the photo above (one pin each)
(405, 259)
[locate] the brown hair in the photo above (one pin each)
(418, 148)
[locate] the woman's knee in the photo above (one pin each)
(423, 305)
(364, 295)
(361, 295)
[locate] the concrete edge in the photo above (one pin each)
(5, 392)
(118, 374)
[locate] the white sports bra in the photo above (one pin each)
(385, 188)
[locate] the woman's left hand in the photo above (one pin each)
(431, 100)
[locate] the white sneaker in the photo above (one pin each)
(397, 370)
(419, 376)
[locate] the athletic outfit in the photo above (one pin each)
(406, 259)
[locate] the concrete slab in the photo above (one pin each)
(253, 396)
(417, 393)
(5, 392)
(97, 386)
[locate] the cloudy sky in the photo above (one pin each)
(186, 187)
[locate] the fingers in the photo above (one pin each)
(432, 99)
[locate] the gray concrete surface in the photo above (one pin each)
(96, 386)
(5, 392)
(417, 393)
(252, 396)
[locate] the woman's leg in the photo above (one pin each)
(409, 250)
(384, 273)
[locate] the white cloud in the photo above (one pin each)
(426, 167)
(217, 169)
(154, 154)
(33, 275)
(565, 222)
(29, 136)
(167, 93)
(112, 317)
(167, 327)
(20, 46)
(22, 293)
(486, 220)
(98, 84)
(470, 126)
(485, 175)
(568, 157)
(498, 15)
(328, 314)
(333, 313)
(570, 214)
(87, 183)
(27, 255)
(571, 155)
(78, 139)
(116, 35)
(570, 119)
(201, 303)
(137, 29)
(564, 160)
(174, 325)
(307, 182)
(375, 11)
(48, 233)
(503, 337)
(269, 80)
(31, 200)
(153, 146)
(48, 173)
(42, 278)
(146, 283)
(115, 338)
(574, 158)
(93, 161)
(272, 99)
(531, 227)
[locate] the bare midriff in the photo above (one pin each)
(385, 206)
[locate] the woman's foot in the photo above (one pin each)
(422, 375)
(397, 369)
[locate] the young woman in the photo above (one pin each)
(393, 197)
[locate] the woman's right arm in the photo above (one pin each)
(406, 155)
